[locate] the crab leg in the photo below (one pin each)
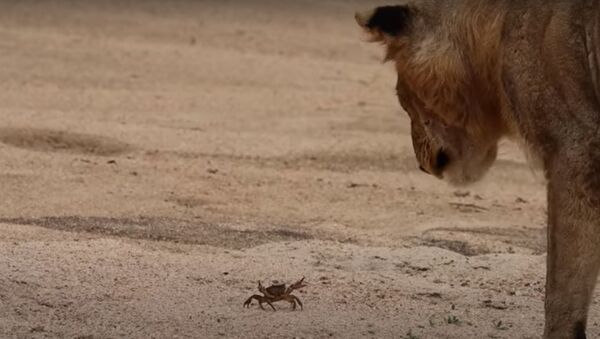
(268, 302)
(291, 300)
(297, 300)
(258, 298)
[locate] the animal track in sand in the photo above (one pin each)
(485, 240)
(164, 229)
(47, 140)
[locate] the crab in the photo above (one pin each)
(276, 292)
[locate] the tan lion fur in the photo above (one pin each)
(471, 72)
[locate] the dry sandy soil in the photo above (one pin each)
(157, 158)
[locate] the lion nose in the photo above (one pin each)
(441, 162)
(437, 165)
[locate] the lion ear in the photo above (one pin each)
(390, 20)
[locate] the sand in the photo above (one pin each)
(158, 158)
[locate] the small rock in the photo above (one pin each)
(520, 200)
(462, 194)
(37, 329)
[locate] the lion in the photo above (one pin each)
(471, 72)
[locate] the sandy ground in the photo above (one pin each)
(157, 158)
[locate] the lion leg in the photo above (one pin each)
(573, 259)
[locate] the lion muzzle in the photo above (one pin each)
(363, 18)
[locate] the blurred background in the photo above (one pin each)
(159, 157)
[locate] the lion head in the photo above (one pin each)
(447, 83)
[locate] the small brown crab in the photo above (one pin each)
(277, 292)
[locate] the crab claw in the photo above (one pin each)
(261, 288)
(298, 284)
